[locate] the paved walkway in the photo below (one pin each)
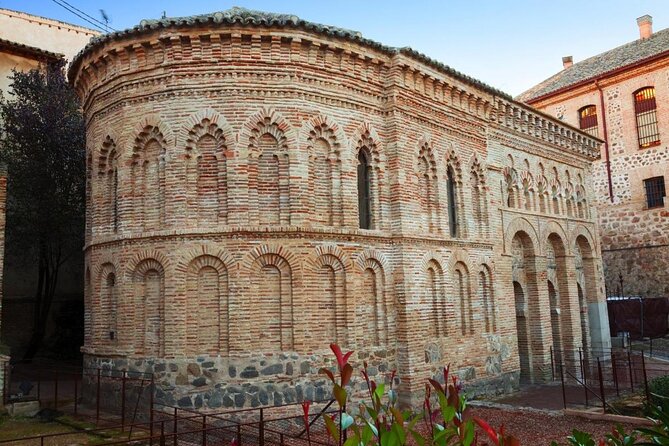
(548, 397)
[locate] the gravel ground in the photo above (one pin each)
(539, 429)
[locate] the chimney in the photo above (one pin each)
(567, 61)
(645, 23)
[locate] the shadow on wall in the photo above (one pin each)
(64, 332)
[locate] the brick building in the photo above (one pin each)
(621, 96)
(260, 186)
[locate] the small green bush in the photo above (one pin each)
(659, 390)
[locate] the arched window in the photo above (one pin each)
(463, 292)
(645, 109)
(488, 300)
(364, 207)
(112, 304)
(452, 205)
(587, 120)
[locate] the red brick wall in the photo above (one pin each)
(236, 238)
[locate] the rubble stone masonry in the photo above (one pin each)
(229, 159)
(635, 239)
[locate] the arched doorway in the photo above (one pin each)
(554, 301)
(533, 355)
(522, 327)
(594, 316)
(563, 304)
(585, 325)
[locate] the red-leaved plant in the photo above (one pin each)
(445, 414)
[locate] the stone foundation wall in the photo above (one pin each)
(221, 384)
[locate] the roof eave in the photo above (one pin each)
(597, 78)
(22, 50)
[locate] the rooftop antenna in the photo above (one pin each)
(106, 19)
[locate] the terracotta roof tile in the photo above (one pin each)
(243, 16)
(601, 64)
(27, 49)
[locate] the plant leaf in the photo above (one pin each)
(332, 428)
(339, 394)
(327, 372)
(346, 420)
(346, 374)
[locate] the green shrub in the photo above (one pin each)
(659, 389)
(444, 421)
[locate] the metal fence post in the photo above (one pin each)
(601, 384)
(123, 402)
(564, 393)
(204, 430)
(552, 365)
(629, 364)
(175, 427)
(584, 376)
(239, 434)
(97, 399)
(261, 429)
(150, 407)
(645, 377)
(615, 372)
(162, 433)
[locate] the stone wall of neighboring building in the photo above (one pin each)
(635, 239)
(229, 169)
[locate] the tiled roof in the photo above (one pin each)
(47, 21)
(599, 65)
(243, 16)
(38, 53)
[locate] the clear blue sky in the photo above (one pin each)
(510, 44)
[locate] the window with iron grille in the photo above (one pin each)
(654, 192)
(645, 108)
(587, 120)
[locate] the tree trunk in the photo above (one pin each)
(46, 290)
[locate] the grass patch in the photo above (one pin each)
(15, 428)
(19, 427)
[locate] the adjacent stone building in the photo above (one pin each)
(622, 96)
(260, 186)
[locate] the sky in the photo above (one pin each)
(511, 44)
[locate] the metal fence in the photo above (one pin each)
(104, 396)
(265, 426)
(598, 378)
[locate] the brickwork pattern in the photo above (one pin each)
(634, 238)
(223, 243)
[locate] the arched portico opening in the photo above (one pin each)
(593, 312)
(522, 327)
(556, 330)
(531, 350)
